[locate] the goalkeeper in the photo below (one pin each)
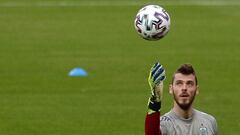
(182, 119)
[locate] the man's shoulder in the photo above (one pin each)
(203, 115)
(167, 117)
(167, 122)
(207, 119)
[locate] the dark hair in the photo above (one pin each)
(186, 69)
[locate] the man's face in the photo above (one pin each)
(184, 89)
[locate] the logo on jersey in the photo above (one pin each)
(165, 118)
(203, 131)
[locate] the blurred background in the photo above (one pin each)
(42, 40)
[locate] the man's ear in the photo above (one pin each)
(197, 90)
(170, 89)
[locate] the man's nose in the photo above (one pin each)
(184, 87)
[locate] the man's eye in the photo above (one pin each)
(178, 83)
(190, 83)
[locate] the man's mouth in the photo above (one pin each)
(184, 95)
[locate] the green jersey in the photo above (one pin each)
(199, 124)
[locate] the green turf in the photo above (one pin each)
(39, 45)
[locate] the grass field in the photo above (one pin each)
(41, 41)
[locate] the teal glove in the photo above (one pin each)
(155, 80)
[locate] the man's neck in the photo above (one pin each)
(183, 113)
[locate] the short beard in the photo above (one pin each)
(184, 106)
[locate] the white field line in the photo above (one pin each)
(116, 3)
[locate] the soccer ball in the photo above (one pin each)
(152, 22)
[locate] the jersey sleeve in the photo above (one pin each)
(215, 128)
(152, 124)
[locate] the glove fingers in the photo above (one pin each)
(157, 63)
(159, 79)
(155, 68)
(158, 73)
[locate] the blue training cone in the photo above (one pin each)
(78, 72)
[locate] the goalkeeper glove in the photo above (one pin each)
(155, 80)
